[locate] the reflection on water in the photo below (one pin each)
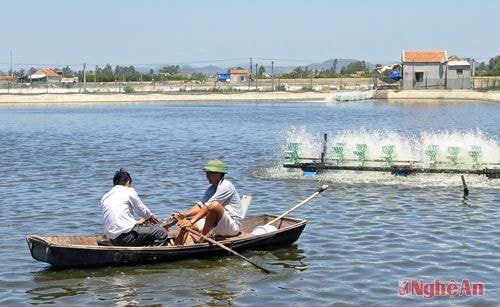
(198, 281)
(50, 294)
(290, 257)
(364, 234)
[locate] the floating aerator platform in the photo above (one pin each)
(452, 160)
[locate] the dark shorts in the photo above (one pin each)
(148, 235)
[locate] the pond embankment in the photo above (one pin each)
(89, 98)
(438, 94)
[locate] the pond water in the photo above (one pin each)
(366, 236)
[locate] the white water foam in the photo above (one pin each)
(350, 96)
(407, 148)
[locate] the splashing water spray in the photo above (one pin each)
(363, 150)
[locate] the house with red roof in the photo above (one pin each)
(434, 69)
(7, 79)
(239, 75)
(47, 75)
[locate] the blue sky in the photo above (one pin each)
(46, 33)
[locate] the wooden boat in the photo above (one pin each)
(88, 250)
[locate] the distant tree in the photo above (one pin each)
(131, 70)
(306, 71)
(104, 74)
(67, 72)
(107, 70)
(125, 73)
(198, 76)
(261, 71)
(334, 66)
(494, 64)
(151, 72)
(171, 70)
(355, 66)
(481, 67)
(299, 71)
(490, 69)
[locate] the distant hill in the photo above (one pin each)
(340, 63)
(212, 69)
(208, 69)
(329, 63)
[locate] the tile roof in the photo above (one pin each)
(2, 78)
(239, 71)
(424, 56)
(48, 72)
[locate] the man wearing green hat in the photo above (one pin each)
(219, 209)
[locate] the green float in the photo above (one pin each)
(339, 153)
(389, 154)
(432, 152)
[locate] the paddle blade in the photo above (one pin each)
(322, 188)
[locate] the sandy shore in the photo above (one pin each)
(46, 99)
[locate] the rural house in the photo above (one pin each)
(458, 73)
(433, 69)
(5, 80)
(46, 75)
(239, 75)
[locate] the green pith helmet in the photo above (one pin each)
(215, 166)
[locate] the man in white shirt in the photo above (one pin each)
(120, 226)
(220, 208)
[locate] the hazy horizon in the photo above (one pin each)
(199, 33)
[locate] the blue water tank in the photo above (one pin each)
(224, 77)
(395, 75)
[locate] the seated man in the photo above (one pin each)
(220, 208)
(120, 226)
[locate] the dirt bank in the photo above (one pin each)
(63, 98)
(135, 98)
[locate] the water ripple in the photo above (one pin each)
(364, 234)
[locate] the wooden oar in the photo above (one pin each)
(227, 249)
(321, 189)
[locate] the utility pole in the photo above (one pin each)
(445, 77)
(84, 75)
(272, 75)
(256, 72)
(250, 76)
(11, 73)
(473, 73)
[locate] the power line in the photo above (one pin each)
(127, 64)
(289, 60)
(156, 64)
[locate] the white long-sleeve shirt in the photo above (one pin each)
(118, 206)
